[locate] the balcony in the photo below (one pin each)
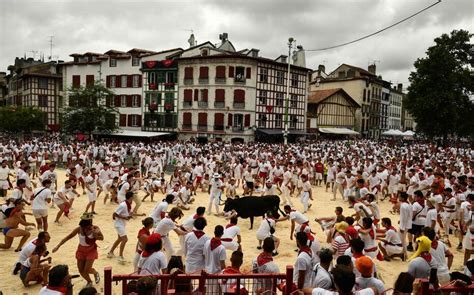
(239, 105)
(203, 80)
(187, 104)
(160, 121)
(188, 81)
(187, 127)
(202, 127)
(218, 127)
(219, 104)
(238, 129)
(239, 79)
(220, 80)
(203, 104)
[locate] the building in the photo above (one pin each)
(120, 71)
(3, 88)
(370, 91)
(226, 94)
(331, 108)
(395, 112)
(35, 83)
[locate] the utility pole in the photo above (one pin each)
(291, 41)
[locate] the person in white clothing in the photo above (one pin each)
(267, 230)
(90, 180)
(216, 189)
(296, 218)
(441, 255)
(214, 257)
(406, 215)
(165, 226)
(231, 231)
(264, 264)
(159, 212)
(306, 193)
(365, 266)
(322, 277)
(41, 198)
(391, 246)
(194, 246)
(152, 260)
(59, 281)
(304, 262)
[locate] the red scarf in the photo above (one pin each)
(63, 290)
(229, 225)
(142, 232)
(357, 255)
(198, 233)
(305, 249)
(196, 216)
(434, 244)
(162, 214)
(215, 242)
(129, 206)
(422, 203)
(230, 270)
(372, 233)
(35, 242)
(426, 256)
(264, 258)
(146, 253)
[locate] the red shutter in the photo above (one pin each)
(139, 120)
(220, 95)
(188, 73)
(129, 101)
(188, 95)
(218, 119)
(248, 73)
(187, 118)
(139, 97)
(140, 80)
(202, 119)
(204, 95)
(231, 71)
(239, 95)
(203, 73)
(117, 101)
(123, 120)
(129, 80)
(129, 121)
(220, 72)
(89, 80)
(247, 120)
(107, 81)
(196, 94)
(118, 81)
(230, 120)
(76, 81)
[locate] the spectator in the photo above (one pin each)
(59, 281)
(365, 266)
(322, 278)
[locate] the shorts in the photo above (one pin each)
(23, 272)
(38, 213)
(87, 252)
(58, 201)
(415, 229)
(233, 246)
(92, 196)
(5, 230)
(393, 189)
(249, 184)
(393, 250)
(319, 176)
(120, 230)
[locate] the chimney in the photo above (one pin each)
(400, 87)
(372, 69)
(321, 69)
(299, 58)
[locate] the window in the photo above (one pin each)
(43, 101)
(239, 74)
(279, 99)
(363, 95)
(170, 77)
(238, 122)
(278, 120)
(90, 80)
(135, 81)
(263, 76)
(113, 81)
(26, 84)
(294, 101)
(220, 72)
(294, 80)
(76, 81)
(203, 73)
(43, 83)
(123, 80)
(135, 61)
(341, 74)
(135, 120)
(188, 73)
(293, 121)
(280, 77)
(262, 120)
(262, 97)
(123, 101)
(112, 62)
(135, 101)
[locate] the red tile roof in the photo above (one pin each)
(319, 95)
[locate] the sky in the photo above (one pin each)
(80, 26)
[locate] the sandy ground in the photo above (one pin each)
(322, 207)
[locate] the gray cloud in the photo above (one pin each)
(80, 26)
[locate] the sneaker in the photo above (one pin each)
(110, 255)
(459, 247)
(121, 260)
(17, 268)
(275, 253)
(97, 277)
(259, 248)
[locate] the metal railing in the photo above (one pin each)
(203, 104)
(202, 127)
(239, 105)
(187, 104)
(219, 104)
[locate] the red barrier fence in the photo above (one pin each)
(426, 289)
(204, 283)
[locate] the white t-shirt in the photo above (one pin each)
(46, 291)
(193, 250)
(439, 256)
(321, 291)
(321, 278)
(159, 211)
(298, 217)
(152, 264)
(431, 215)
(121, 210)
(406, 214)
(303, 262)
(40, 201)
(231, 232)
(165, 226)
(363, 283)
(213, 258)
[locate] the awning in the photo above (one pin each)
(392, 132)
(408, 133)
(344, 131)
(133, 133)
(280, 131)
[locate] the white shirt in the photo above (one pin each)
(298, 217)
(152, 264)
(40, 201)
(159, 211)
(27, 251)
(439, 256)
(321, 278)
(165, 226)
(363, 283)
(406, 214)
(213, 258)
(193, 250)
(46, 291)
(231, 232)
(122, 210)
(303, 262)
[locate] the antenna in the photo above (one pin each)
(373, 62)
(50, 58)
(34, 52)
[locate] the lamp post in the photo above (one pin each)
(291, 41)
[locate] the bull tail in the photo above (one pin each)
(281, 211)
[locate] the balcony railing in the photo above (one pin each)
(220, 80)
(237, 129)
(187, 127)
(239, 105)
(203, 80)
(202, 128)
(203, 104)
(219, 104)
(187, 104)
(188, 81)
(218, 127)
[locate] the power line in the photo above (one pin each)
(377, 32)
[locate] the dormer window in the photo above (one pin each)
(135, 61)
(112, 62)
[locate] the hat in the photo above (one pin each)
(87, 216)
(341, 226)
(424, 245)
(153, 239)
(364, 265)
(432, 200)
(216, 175)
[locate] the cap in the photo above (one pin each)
(153, 239)
(364, 265)
(341, 226)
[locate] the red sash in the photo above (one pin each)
(229, 225)
(215, 243)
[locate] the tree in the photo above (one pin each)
(88, 111)
(441, 87)
(21, 119)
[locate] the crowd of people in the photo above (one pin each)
(430, 187)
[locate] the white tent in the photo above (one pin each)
(344, 131)
(393, 132)
(408, 133)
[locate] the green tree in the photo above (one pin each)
(21, 119)
(88, 111)
(441, 86)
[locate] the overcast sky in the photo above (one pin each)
(99, 25)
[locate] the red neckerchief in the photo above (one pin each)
(371, 233)
(196, 216)
(310, 236)
(434, 244)
(162, 214)
(264, 258)
(357, 255)
(145, 253)
(198, 233)
(63, 290)
(215, 242)
(305, 249)
(129, 206)
(422, 203)
(229, 225)
(231, 270)
(426, 256)
(35, 242)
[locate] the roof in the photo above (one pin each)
(360, 70)
(177, 54)
(319, 96)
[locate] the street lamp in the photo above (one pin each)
(291, 41)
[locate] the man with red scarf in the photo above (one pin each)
(193, 246)
(231, 231)
(304, 262)
(59, 281)
(214, 257)
(264, 264)
(230, 285)
(391, 246)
